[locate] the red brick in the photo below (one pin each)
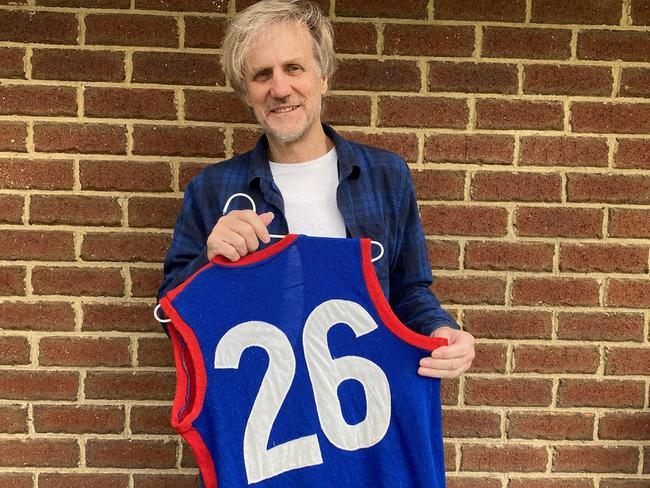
(131, 30)
(125, 246)
(75, 210)
(13, 136)
(555, 359)
(125, 176)
(567, 80)
(555, 291)
(37, 245)
(11, 210)
(633, 153)
(177, 68)
(608, 188)
(494, 10)
(516, 256)
(490, 358)
(606, 258)
(37, 100)
(625, 222)
(165, 481)
(478, 148)
(85, 3)
(12, 279)
(204, 32)
(121, 317)
(613, 45)
(376, 75)
(520, 458)
(619, 118)
(14, 350)
(628, 293)
(443, 254)
(428, 40)
(155, 351)
(129, 103)
(404, 144)
(38, 385)
(13, 420)
(517, 392)
(526, 187)
(600, 393)
(153, 212)
(449, 391)
(216, 107)
(596, 459)
(242, 140)
(627, 360)
(77, 281)
(624, 483)
(470, 290)
(552, 426)
(11, 62)
(439, 184)
(145, 282)
(563, 151)
(38, 27)
(347, 110)
(600, 326)
(464, 221)
(113, 385)
(178, 141)
(519, 114)
(42, 174)
(551, 483)
(472, 482)
(449, 456)
(625, 426)
(530, 43)
(470, 423)
(640, 12)
(353, 37)
(585, 12)
(559, 222)
(472, 77)
(80, 138)
(82, 480)
(127, 453)
(635, 82)
(43, 316)
(213, 6)
(407, 9)
(78, 65)
(41, 453)
(84, 351)
(151, 420)
(423, 112)
(79, 419)
(508, 324)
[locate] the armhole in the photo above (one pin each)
(190, 371)
(388, 317)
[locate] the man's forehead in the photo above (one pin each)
(263, 47)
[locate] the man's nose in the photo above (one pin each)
(280, 85)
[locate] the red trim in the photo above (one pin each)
(197, 380)
(257, 255)
(383, 307)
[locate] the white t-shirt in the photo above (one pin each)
(309, 193)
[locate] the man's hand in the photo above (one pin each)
(452, 360)
(238, 233)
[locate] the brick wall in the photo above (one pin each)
(527, 127)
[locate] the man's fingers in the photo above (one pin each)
(438, 373)
(258, 223)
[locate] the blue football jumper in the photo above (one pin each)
(293, 371)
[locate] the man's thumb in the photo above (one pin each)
(267, 218)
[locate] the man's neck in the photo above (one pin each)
(308, 148)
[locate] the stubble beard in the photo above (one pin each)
(290, 136)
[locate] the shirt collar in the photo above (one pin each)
(260, 169)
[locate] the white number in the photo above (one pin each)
(326, 374)
(262, 463)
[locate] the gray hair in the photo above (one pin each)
(244, 27)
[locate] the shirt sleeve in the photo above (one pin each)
(410, 275)
(188, 250)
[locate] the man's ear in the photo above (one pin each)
(324, 85)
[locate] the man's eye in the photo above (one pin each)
(261, 76)
(294, 68)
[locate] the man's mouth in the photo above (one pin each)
(285, 109)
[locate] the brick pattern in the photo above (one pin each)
(526, 125)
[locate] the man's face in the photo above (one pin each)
(284, 86)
